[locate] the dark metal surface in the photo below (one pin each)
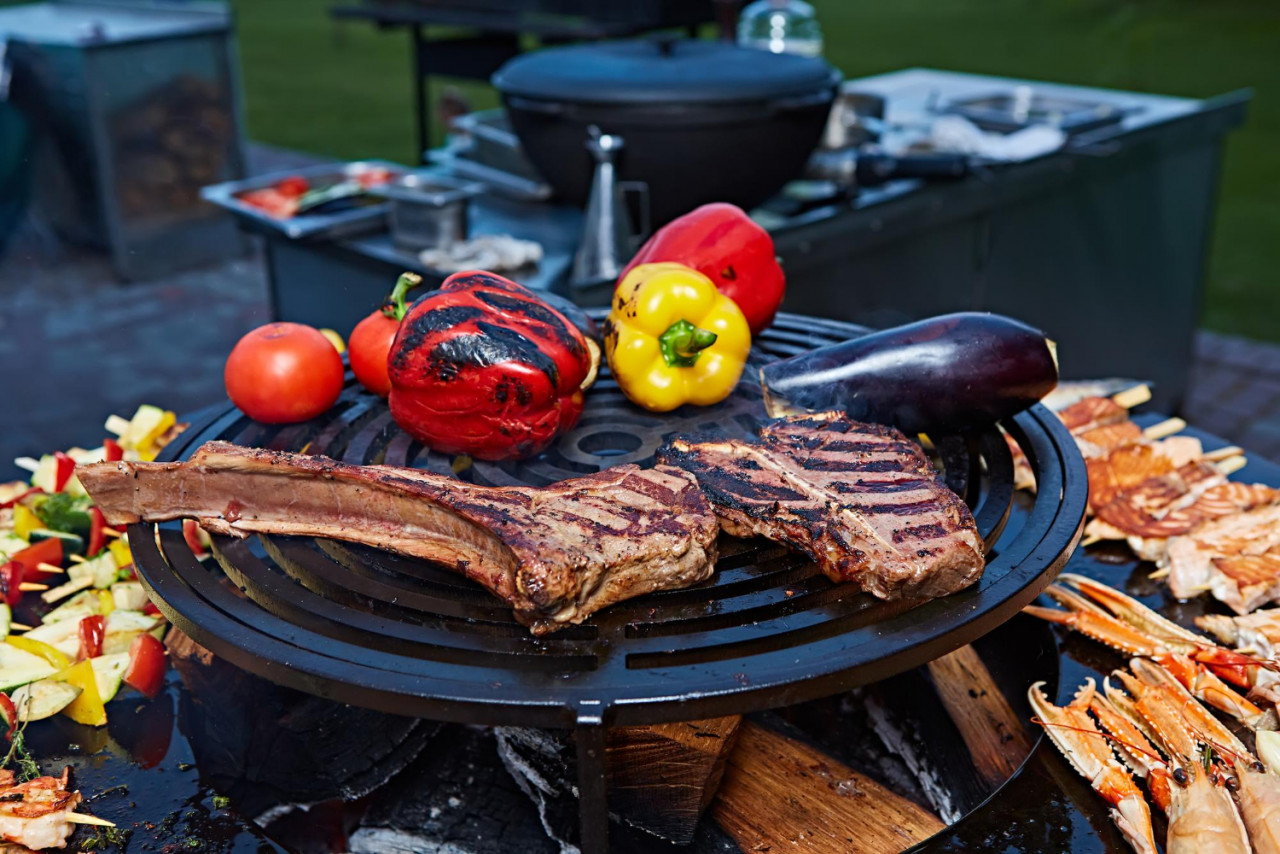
(400, 635)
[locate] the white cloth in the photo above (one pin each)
(494, 252)
(958, 134)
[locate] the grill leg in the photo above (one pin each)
(593, 800)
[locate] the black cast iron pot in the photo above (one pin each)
(703, 121)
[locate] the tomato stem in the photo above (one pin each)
(395, 306)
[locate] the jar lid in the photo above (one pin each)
(661, 69)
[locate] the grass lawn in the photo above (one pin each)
(344, 89)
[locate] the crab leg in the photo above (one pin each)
(1202, 815)
(1074, 733)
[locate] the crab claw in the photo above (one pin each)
(1091, 621)
(1129, 610)
(1074, 733)
(1204, 685)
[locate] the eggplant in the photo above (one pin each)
(954, 372)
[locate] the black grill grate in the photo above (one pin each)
(369, 628)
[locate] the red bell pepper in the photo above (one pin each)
(11, 575)
(97, 532)
(64, 467)
(484, 367)
(722, 243)
(146, 665)
(114, 451)
(8, 716)
(46, 551)
(35, 490)
(92, 630)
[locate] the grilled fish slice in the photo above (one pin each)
(556, 554)
(859, 499)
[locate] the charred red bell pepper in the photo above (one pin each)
(64, 467)
(191, 533)
(484, 367)
(92, 630)
(722, 243)
(114, 452)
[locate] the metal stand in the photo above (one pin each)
(593, 797)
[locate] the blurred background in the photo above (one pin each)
(341, 89)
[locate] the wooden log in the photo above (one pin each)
(991, 730)
(661, 778)
(781, 795)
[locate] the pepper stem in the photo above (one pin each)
(683, 342)
(395, 306)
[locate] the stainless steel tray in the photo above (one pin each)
(344, 223)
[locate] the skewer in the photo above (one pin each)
(112, 532)
(1131, 397)
(1224, 453)
(1162, 572)
(49, 567)
(83, 818)
(31, 587)
(79, 559)
(21, 627)
(1165, 428)
(1231, 464)
(1090, 540)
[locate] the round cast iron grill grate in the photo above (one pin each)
(374, 629)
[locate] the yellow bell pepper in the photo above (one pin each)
(88, 708)
(25, 521)
(672, 338)
(54, 656)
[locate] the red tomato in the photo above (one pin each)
(146, 665)
(283, 372)
(293, 186)
(368, 347)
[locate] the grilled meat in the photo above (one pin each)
(1175, 504)
(859, 499)
(1091, 413)
(556, 554)
(1236, 557)
(1129, 466)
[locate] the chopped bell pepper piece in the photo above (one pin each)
(97, 532)
(11, 575)
(54, 656)
(88, 708)
(112, 450)
(46, 551)
(91, 630)
(25, 521)
(8, 716)
(18, 499)
(64, 468)
(146, 665)
(119, 548)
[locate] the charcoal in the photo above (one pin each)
(454, 799)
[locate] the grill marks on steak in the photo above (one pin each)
(859, 499)
(556, 554)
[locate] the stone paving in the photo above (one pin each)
(76, 344)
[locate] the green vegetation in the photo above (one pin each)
(344, 89)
